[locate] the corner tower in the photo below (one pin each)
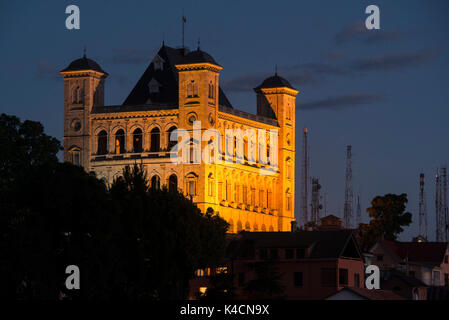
(276, 99)
(83, 89)
(198, 89)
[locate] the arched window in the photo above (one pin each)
(210, 185)
(271, 229)
(81, 96)
(190, 89)
(173, 183)
(264, 229)
(231, 226)
(156, 182)
(247, 226)
(120, 142)
(193, 151)
(137, 140)
(195, 89)
(102, 140)
(155, 140)
(239, 226)
(75, 156)
(211, 90)
(75, 94)
(256, 228)
(288, 197)
(170, 143)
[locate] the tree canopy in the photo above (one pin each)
(388, 216)
(129, 241)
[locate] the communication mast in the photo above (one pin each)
(422, 208)
(444, 204)
(359, 212)
(315, 205)
(304, 181)
(438, 208)
(348, 190)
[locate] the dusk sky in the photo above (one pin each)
(385, 92)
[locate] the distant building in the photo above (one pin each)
(313, 264)
(330, 222)
(426, 261)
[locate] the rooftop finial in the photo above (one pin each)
(275, 69)
(184, 20)
(198, 44)
(84, 51)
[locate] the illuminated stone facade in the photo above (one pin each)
(178, 88)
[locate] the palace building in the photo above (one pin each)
(178, 88)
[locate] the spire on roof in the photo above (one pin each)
(275, 69)
(198, 44)
(84, 51)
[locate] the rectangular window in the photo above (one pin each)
(380, 257)
(211, 188)
(191, 188)
(298, 279)
(289, 253)
(446, 279)
(356, 280)
(343, 277)
(220, 191)
(76, 158)
(328, 277)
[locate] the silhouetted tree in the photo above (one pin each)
(388, 216)
(163, 238)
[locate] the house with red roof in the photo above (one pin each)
(426, 261)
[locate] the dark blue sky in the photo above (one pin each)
(385, 92)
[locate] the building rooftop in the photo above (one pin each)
(84, 63)
(274, 82)
(431, 253)
(198, 56)
(322, 244)
(159, 83)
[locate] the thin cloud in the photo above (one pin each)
(340, 102)
(299, 75)
(132, 56)
(358, 32)
(46, 70)
(395, 61)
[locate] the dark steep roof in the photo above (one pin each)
(323, 244)
(84, 64)
(198, 56)
(274, 82)
(167, 78)
(419, 252)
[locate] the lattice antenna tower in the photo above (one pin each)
(359, 212)
(304, 215)
(347, 215)
(438, 208)
(422, 208)
(444, 204)
(315, 205)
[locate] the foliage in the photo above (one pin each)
(130, 242)
(388, 216)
